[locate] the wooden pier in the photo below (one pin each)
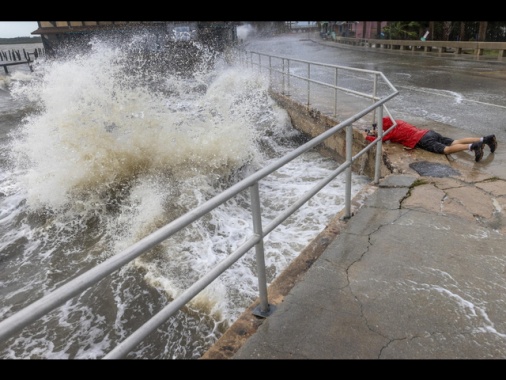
(6, 65)
(16, 57)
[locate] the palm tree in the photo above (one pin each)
(482, 31)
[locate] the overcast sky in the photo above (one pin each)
(11, 29)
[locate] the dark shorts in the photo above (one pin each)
(434, 142)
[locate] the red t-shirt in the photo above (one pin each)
(404, 133)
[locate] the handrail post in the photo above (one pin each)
(336, 76)
(349, 160)
(379, 146)
(308, 84)
(283, 91)
(264, 309)
(270, 69)
(374, 94)
(288, 77)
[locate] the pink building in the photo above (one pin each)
(369, 29)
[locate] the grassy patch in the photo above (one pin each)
(419, 182)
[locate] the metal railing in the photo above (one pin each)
(323, 85)
(39, 308)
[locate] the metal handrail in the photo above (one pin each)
(37, 309)
(282, 65)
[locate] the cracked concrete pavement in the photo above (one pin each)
(416, 273)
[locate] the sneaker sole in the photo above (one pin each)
(479, 154)
(493, 145)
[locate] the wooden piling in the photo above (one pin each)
(12, 55)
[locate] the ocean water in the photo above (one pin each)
(102, 148)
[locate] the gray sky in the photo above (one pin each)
(11, 29)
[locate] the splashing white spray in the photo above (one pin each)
(117, 148)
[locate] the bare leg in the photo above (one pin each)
(459, 147)
(467, 140)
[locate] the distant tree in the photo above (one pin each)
(496, 31)
(402, 30)
(472, 29)
(462, 33)
(493, 31)
(21, 40)
(482, 32)
(447, 28)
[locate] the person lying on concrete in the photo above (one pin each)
(432, 141)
